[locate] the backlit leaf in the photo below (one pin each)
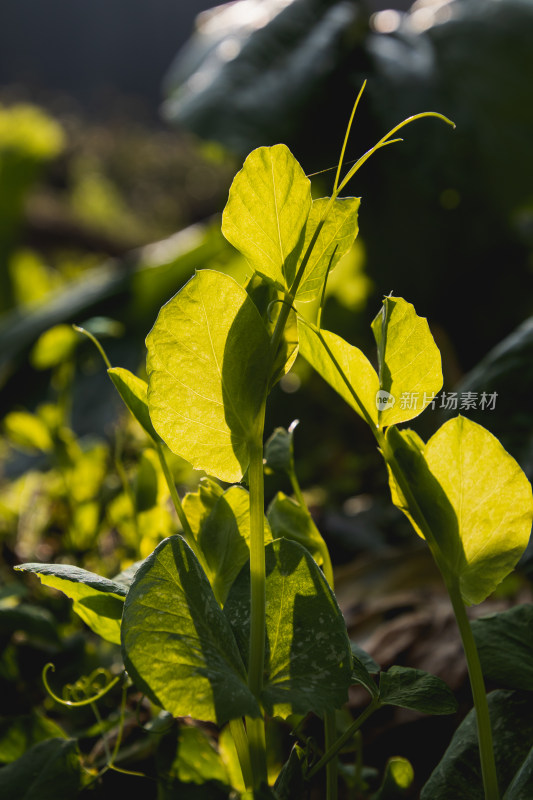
(288, 519)
(134, 392)
(344, 367)
(308, 659)
(336, 237)
(220, 522)
(177, 644)
(208, 356)
(474, 497)
(267, 209)
(98, 601)
(409, 362)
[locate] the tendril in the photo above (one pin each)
(83, 686)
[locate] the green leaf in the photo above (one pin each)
(290, 782)
(409, 362)
(417, 690)
(366, 659)
(35, 622)
(475, 498)
(505, 646)
(47, 771)
(344, 367)
(196, 760)
(220, 522)
(98, 601)
(134, 392)
(361, 675)
(520, 786)
(54, 346)
(458, 774)
(28, 431)
(18, 734)
(335, 239)
(308, 658)
(208, 356)
(288, 519)
(177, 644)
(267, 210)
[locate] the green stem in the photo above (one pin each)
(486, 748)
(332, 767)
(240, 740)
(337, 746)
(188, 535)
(256, 660)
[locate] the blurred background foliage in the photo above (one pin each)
(107, 209)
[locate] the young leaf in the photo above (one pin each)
(288, 519)
(345, 368)
(308, 658)
(362, 676)
(98, 601)
(335, 239)
(220, 522)
(458, 774)
(267, 210)
(279, 451)
(474, 497)
(290, 783)
(134, 392)
(208, 356)
(505, 646)
(417, 690)
(398, 777)
(409, 362)
(177, 644)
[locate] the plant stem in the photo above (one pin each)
(256, 660)
(346, 736)
(486, 748)
(332, 767)
(187, 530)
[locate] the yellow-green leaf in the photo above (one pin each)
(410, 373)
(267, 210)
(208, 359)
(344, 367)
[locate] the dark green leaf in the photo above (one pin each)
(47, 771)
(361, 675)
(308, 658)
(34, 621)
(417, 690)
(368, 662)
(177, 644)
(19, 734)
(458, 775)
(505, 645)
(520, 786)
